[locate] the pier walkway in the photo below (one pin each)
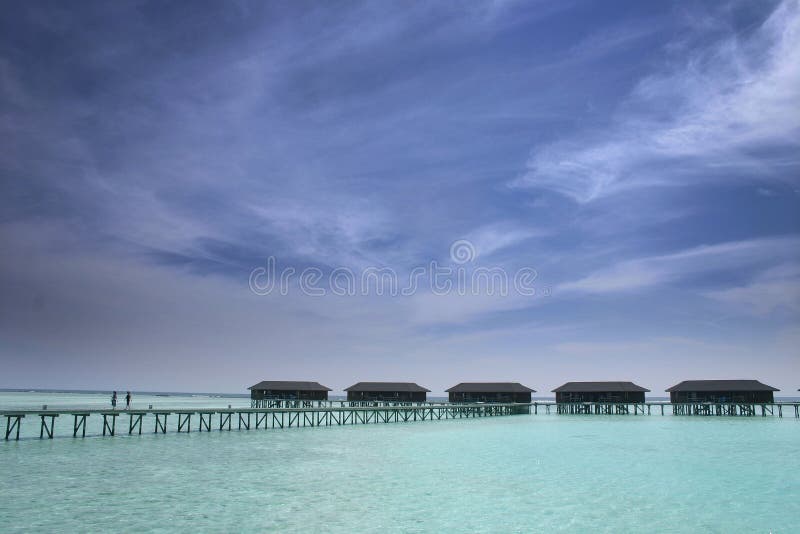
(293, 413)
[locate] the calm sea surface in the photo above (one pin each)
(509, 474)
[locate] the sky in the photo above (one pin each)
(636, 165)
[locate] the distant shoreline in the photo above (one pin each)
(106, 391)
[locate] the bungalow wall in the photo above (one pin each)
(261, 394)
(458, 396)
(754, 397)
(600, 396)
(393, 396)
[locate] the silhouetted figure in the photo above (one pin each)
(128, 401)
(114, 401)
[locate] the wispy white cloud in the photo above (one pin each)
(266, 140)
(773, 290)
(494, 237)
(321, 228)
(609, 40)
(429, 309)
(697, 121)
(651, 271)
(764, 192)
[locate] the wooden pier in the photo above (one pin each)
(287, 415)
(302, 413)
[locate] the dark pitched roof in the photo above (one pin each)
(490, 387)
(721, 385)
(276, 385)
(598, 387)
(387, 386)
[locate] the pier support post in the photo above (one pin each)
(161, 425)
(186, 420)
(45, 428)
(79, 424)
(245, 423)
(205, 421)
(13, 426)
(224, 418)
(112, 428)
(135, 421)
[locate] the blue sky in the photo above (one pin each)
(642, 157)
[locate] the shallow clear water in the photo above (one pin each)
(508, 474)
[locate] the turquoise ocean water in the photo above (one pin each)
(538, 473)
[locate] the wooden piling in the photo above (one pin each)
(242, 421)
(15, 426)
(45, 428)
(79, 424)
(111, 429)
(205, 421)
(184, 419)
(135, 421)
(224, 419)
(160, 424)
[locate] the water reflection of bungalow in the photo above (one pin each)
(267, 390)
(721, 391)
(387, 391)
(490, 392)
(609, 392)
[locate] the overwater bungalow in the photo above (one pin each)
(267, 390)
(721, 391)
(387, 391)
(604, 392)
(490, 392)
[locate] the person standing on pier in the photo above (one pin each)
(114, 401)
(128, 401)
